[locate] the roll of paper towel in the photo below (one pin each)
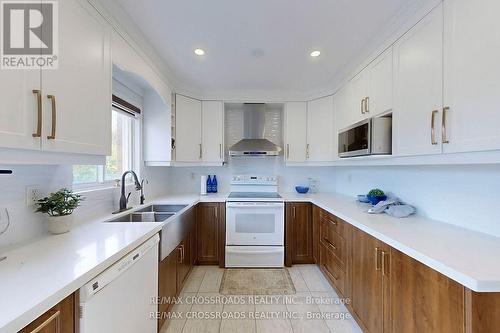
(203, 185)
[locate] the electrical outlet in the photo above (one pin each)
(32, 194)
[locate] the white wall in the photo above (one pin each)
(25, 225)
(466, 196)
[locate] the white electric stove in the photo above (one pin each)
(255, 223)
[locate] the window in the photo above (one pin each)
(125, 128)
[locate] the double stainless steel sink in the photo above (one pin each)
(153, 213)
(173, 232)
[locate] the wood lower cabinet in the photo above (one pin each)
(209, 217)
(167, 285)
(334, 252)
(299, 233)
(423, 300)
(62, 318)
(370, 281)
(316, 220)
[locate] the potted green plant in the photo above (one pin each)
(59, 206)
(376, 195)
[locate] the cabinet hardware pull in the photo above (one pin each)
(330, 221)
(201, 152)
(180, 253)
(363, 106)
(220, 150)
(216, 213)
(52, 135)
(329, 243)
(433, 128)
(383, 263)
(38, 94)
(287, 151)
(367, 104)
(443, 125)
(307, 151)
(294, 212)
(377, 266)
(48, 321)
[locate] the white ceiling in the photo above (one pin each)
(263, 46)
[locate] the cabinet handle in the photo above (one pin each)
(330, 221)
(201, 152)
(54, 316)
(288, 151)
(220, 150)
(294, 212)
(38, 94)
(216, 213)
(377, 265)
(179, 261)
(444, 139)
(307, 151)
(433, 127)
(367, 104)
(362, 106)
(52, 135)
(383, 263)
(329, 243)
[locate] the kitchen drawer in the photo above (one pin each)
(338, 226)
(332, 268)
(333, 241)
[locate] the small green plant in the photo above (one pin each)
(376, 192)
(60, 203)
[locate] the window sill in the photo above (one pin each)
(98, 188)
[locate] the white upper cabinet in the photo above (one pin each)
(65, 109)
(418, 87)
(471, 76)
(77, 95)
(379, 98)
(320, 125)
(343, 108)
(212, 129)
(188, 147)
(20, 113)
(359, 96)
(295, 131)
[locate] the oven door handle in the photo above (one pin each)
(247, 251)
(254, 205)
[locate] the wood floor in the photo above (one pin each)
(273, 314)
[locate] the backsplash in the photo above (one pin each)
(26, 225)
(187, 179)
(461, 195)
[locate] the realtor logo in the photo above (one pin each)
(29, 34)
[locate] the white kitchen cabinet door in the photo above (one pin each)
(212, 129)
(471, 76)
(187, 129)
(418, 82)
(295, 131)
(359, 93)
(343, 108)
(77, 95)
(320, 129)
(380, 85)
(19, 113)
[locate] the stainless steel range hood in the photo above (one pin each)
(254, 142)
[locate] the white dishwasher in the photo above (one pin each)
(120, 299)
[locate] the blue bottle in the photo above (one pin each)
(209, 184)
(214, 184)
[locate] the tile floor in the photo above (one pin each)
(314, 309)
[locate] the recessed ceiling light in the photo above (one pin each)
(315, 53)
(199, 52)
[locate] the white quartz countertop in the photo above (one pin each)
(468, 257)
(37, 276)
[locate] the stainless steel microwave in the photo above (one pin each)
(372, 136)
